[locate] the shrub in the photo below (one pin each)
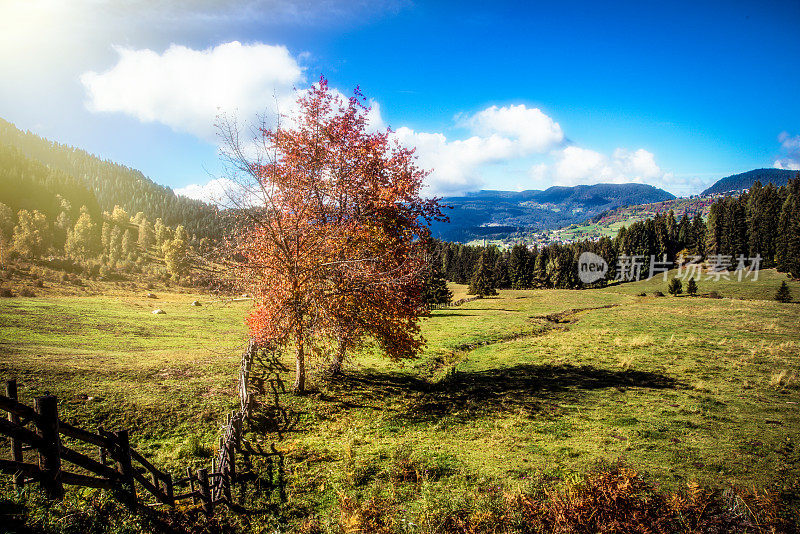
(642, 294)
(5, 292)
(783, 294)
(26, 292)
(714, 295)
(38, 283)
(658, 294)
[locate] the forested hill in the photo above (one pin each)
(110, 183)
(486, 213)
(745, 180)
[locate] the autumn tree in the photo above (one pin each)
(82, 238)
(333, 223)
(175, 253)
(32, 234)
(147, 235)
(6, 229)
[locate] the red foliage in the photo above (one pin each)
(333, 250)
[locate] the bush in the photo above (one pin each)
(658, 294)
(5, 292)
(642, 294)
(714, 295)
(38, 283)
(783, 294)
(26, 292)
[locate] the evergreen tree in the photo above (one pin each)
(788, 242)
(519, 269)
(675, 287)
(501, 275)
(698, 235)
(482, 283)
(783, 294)
(691, 288)
(434, 288)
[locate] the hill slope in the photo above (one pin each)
(502, 212)
(113, 184)
(745, 180)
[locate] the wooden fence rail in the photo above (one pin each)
(119, 466)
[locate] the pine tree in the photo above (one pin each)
(675, 287)
(482, 283)
(501, 275)
(691, 288)
(783, 294)
(698, 235)
(435, 290)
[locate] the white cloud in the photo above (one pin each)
(455, 164)
(791, 148)
(501, 134)
(216, 191)
(575, 165)
(186, 89)
(533, 130)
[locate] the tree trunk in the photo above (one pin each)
(336, 366)
(300, 368)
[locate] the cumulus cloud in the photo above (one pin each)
(186, 89)
(533, 130)
(791, 147)
(500, 134)
(455, 164)
(217, 191)
(575, 165)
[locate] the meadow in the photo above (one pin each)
(512, 394)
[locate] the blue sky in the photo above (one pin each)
(494, 96)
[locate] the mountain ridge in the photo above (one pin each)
(745, 180)
(489, 212)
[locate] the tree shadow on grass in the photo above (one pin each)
(528, 389)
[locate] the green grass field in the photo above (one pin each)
(526, 389)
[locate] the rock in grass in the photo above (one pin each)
(158, 311)
(152, 296)
(196, 303)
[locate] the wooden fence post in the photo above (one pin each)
(170, 490)
(205, 492)
(124, 465)
(16, 445)
(191, 484)
(50, 454)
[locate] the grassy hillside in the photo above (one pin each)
(527, 390)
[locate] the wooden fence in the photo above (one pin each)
(118, 466)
